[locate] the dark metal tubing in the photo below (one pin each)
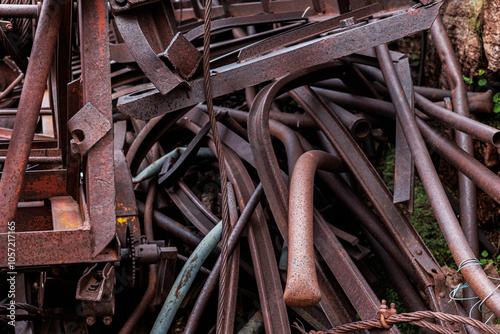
(28, 110)
(461, 123)
(450, 227)
(357, 125)
(467, 189)
(213, 278)
(465, 163)
(21, 11)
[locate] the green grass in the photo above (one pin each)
(423, 216)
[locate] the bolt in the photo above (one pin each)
(90, 321)
(9, 27)
(107, 320)
(442, 295)
(419, 251)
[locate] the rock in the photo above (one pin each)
(491, 34)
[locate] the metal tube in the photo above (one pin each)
(185, 279)
(153, 268)
(467, 189)
(28, 110)
(176, 230)
(302, 289)
(450, 227)
(213, 278)
(479, 104)
(461, 123)
(465, 163)
(357, 125)
(21, 11)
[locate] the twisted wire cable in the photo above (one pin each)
(222, 167)
(415, 318)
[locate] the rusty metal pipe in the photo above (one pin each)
(28, 110)
(468, 205)
(21, 11)
(458, 122)
(479, 104)
(465, 163)
(447, 220)
(40, 160)
(172, 227)
(299, 121)
(213, 278)
(482, 176)
(153, 268)
(467, 189)
(357, 125)
(302, 289)
(435, 94)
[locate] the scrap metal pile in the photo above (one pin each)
(178, 167)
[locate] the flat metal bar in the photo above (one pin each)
(230, 78)
(404, 174)
(96, 84)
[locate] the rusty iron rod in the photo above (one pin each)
(19, 11)
(28, 110)
(467, 189)
(461, 123)
(213, 278)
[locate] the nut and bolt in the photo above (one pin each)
(107, 320)
(91, 321)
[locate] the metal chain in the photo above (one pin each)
(222, 167)
(415, 318)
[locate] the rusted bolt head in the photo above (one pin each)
(107, 320)
(419, 252)
(9, 27)
(90, 321)
(442, 295)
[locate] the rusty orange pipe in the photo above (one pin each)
(302, 289)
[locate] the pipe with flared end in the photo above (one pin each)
(302, 289)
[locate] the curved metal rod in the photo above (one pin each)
(148, 136)
(302, 289)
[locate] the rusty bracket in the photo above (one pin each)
(87, 127)
(95, 290)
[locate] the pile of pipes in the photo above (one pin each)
(179, 167)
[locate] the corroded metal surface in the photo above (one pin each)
(304, 110)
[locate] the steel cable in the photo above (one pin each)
(223, 175)
(415, 318)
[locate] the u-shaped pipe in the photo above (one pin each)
(302, 289)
